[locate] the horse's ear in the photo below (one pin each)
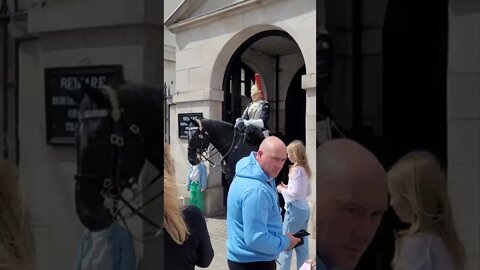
(85, 90)
(98, 95)
(194, 122)
(199, 122)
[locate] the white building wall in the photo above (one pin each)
(47, 171)
(71, 14)
(169, 7)
(21, 4)
(212, 5)
(463, 113)
(169, 62)
(130, 36)
(204, 50)
(8, 107)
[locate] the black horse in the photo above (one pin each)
(232, 143)
(119, 129)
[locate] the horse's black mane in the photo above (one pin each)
(143, 104)
(215, 124)
(253, 135)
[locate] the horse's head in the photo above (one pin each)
(110, 155)
(198, 141)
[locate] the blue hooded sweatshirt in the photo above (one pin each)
(254, 223)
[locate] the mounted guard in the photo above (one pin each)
(257, 112)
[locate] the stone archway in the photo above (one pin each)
(266, 53)
(227, 51)
(257, 54)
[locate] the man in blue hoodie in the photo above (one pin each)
(254, 223)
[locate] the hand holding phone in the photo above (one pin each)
(300, 234)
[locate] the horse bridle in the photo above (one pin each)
(109, 190)
(201, 152)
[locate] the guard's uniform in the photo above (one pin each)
(257, 112)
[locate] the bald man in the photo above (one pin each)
(352, 197)
(254, 223)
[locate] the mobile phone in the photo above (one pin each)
(301, 234)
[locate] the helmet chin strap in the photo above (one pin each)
(257, 96)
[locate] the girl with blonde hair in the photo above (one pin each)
(187, 242)
(16, 243)
(173, 218)
(419, 196)
(295, 194)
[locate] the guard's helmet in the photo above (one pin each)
(257, 87)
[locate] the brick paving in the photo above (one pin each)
(217, 229)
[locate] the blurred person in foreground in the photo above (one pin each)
(187, 242)
(16, 239)
(419, 196)
(352, 196)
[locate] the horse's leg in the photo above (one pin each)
(225, 190)
(282, 177)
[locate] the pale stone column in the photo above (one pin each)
(463, 113)
(309, 84)
(214, 196)
(208, 102)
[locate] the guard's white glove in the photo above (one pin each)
(257, 123)
(238, 120)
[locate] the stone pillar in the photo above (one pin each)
(77, 33)
(463, 113)
(208, 102)
(309, 84)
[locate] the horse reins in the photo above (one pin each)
(117, 140)
(231, 149)
(116, 161)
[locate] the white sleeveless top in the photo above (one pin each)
(299, 188)
(424, 251)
